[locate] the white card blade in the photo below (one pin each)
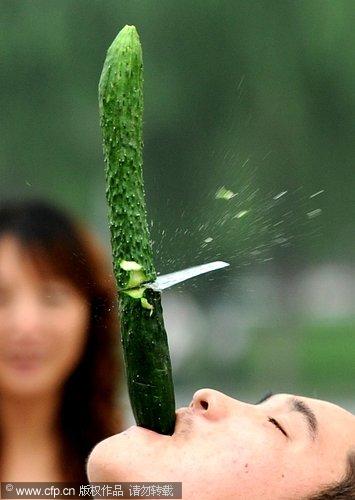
(171, 279)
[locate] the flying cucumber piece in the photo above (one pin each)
(144, 339)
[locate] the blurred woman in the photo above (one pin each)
(59, 359)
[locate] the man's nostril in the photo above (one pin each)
(204, 404)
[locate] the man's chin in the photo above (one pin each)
(125, 455)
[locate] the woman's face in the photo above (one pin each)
(43, 325)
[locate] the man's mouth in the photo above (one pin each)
(183, 425)
(136, 430)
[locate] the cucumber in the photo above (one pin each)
(144, 339)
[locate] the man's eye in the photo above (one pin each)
(276, 424)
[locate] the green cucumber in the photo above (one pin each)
(144, 339)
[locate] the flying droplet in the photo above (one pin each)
(224, 194)
(314, 213)
(280, 195)
(240, 214)
(317, 193)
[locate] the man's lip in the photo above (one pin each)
(180, 413)
(136, 429)
(185, 410)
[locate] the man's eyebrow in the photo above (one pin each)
(308, 413)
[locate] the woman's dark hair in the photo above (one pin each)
(60, 246)
(343, 489)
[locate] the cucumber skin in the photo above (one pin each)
(144, 340)
(147, 362)
(121, 117)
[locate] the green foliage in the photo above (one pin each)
(247, 95)
(225, 81)
(327, 356)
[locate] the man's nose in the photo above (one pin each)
(212, 404)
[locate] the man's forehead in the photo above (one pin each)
(319, 405)
(328, 405)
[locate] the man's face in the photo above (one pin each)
(286, 447)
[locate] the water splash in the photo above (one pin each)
(280, 195)
(316, 194)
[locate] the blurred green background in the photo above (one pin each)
(254, 96)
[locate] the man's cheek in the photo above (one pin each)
(253, 454)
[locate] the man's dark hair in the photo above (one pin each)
(343, 489)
